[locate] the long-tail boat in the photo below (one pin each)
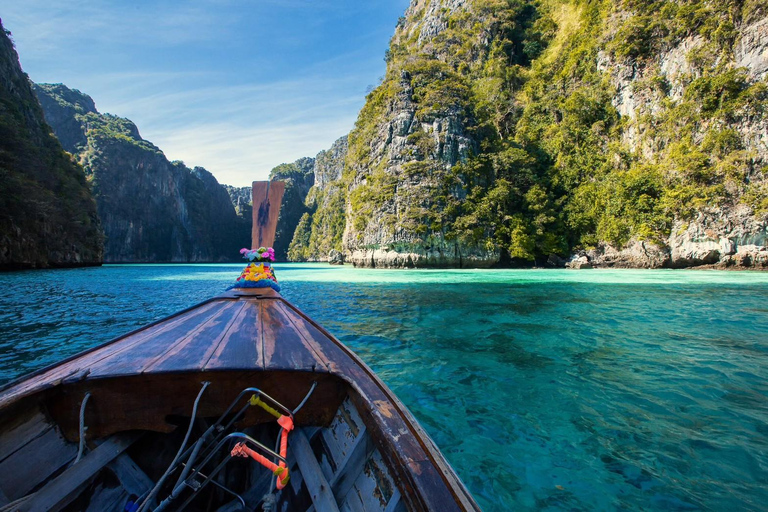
(241, 402)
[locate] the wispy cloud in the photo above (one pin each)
(54, 25)
(238, 132)
(237, 87)
(242, 154)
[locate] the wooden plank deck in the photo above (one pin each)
(257, 332)
(59, 492)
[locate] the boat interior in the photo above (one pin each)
(141, 405)
(172, 461)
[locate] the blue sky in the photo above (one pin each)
(234, 86)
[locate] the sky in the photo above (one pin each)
(235, 86)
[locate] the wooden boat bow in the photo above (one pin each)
(147, 380)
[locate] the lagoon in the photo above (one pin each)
(546, 389)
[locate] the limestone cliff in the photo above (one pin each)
(47, 214)
(415, 127)
(692, 107)
(321, 226)
(521, 132)
(152, 210)
(299, 178)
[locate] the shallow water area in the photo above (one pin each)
(545, 389)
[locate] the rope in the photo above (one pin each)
(83, 428)
(269, 496)
(159, 483)
(257, 401)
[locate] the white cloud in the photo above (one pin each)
(139, 60)
(237, 132)
(238, 155)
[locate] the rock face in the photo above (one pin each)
(726, 239)
(299, 177)
(751, 52)
(335, 257)
(47, 214)
(522, 133)
(414, 128)
(321, 226)
(152, 210)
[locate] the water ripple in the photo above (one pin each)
(547, 390)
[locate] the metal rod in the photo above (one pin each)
(223, 488)
(275, 402)
(148, 500)
(205, 482)
(221, 418)
(309, 393)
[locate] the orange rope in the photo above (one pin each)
(240, 450)
(286, 425)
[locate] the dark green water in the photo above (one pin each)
(546, 390)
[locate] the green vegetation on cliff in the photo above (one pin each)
(319, 230)
(47, 214)
(583, 122)
(321, 226)
(612, 189)
(152, 210)
(299, 178)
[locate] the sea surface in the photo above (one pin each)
(545, 389)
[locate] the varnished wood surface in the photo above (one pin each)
(235, 340)
(267, 196)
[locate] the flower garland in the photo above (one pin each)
(261, 275)
(260, 254)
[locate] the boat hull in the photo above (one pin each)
(147, 381)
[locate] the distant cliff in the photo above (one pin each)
(47, 214)
(152, 210)
(320, 228)
(242, 201)
(299, 178)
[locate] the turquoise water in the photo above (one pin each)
(546, 389)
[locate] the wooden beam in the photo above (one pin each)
(64, 488)
(21, 431)
(134, 480)
(318, 487)
(267, 197)
(395, 503)
(351, 467)
(32, 464)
